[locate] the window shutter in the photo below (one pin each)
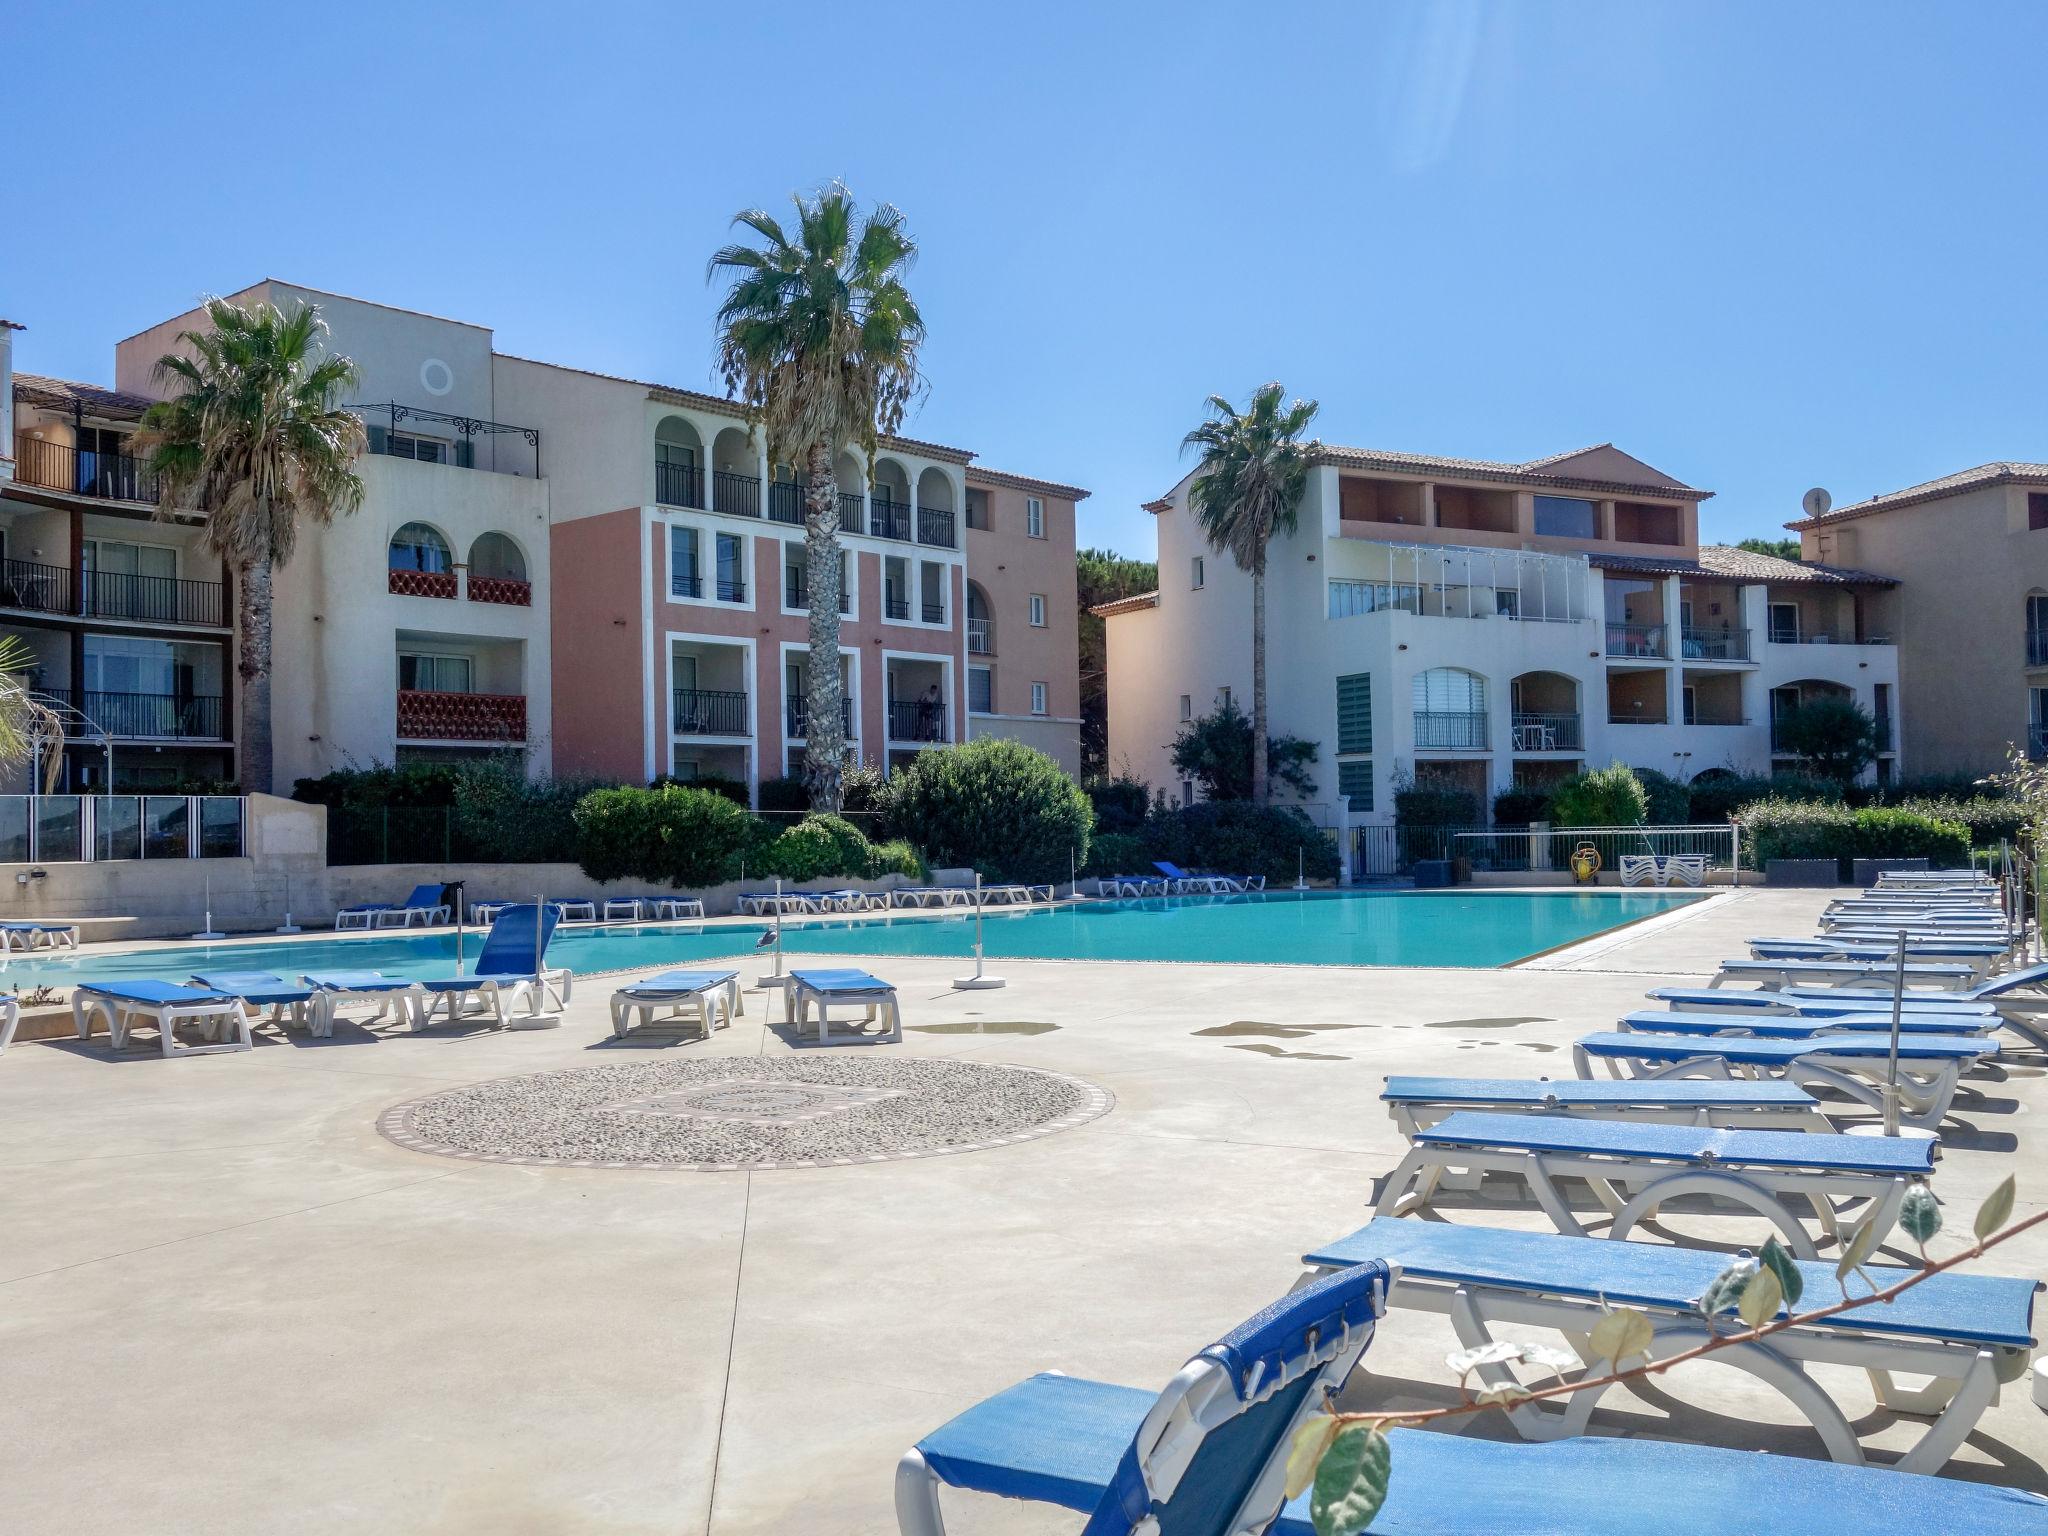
(465, 453)
(1354, 779)
(380, 439)
(1354, 713)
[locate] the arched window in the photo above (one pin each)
(416, 547)
(495, 555)
(1450, 690)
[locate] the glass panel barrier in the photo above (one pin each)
(220, 827)
(166, 827)
(117, 827)
(59, 829)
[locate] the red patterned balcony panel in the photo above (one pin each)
(501, 589)
(422, 583)
(424, 716)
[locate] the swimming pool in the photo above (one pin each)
(1448, 928)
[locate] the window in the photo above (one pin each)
(1034, 517)
(1038, 610)
(732, 584)
(1187, 706)
(1450, 689)
(977, 509)
(981, 690)
(2037, 510)
(1507, 602)
(435, 674)
(1038, 698)
(1187, 791)
(1784, 622)
(1197, 583)
(1354, 780)
(428, 450)
(684, 577)
(1567, 517)
(416, 547)
(1692, 713)
(1223, 697)
(1354, 713)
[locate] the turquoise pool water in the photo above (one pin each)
(1451, 928)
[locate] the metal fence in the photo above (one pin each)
(1385, 852)
(89, 829)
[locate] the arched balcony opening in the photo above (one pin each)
(678, 463)
(735, 473)
(497, 571)
(936, 520)
(421, 562)
(981, 622)
(1546, 713)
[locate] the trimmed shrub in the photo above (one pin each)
(486, 812)
(1668, 803)
(685, 837)
(1239, 838)
(1884, 833)
(1521, 804)
(1004, 808)
(1606, 797)
(818, 847)
(1922, 786)
(710, 783)
(1118, 853)
(1787, 829)
(1120, 804)
(1723, 795)
(1991, 820)
(784, 795)
(1431, 804)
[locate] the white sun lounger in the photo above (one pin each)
(24, 933)
(504, 978)
(164, 1005)
(825, 989)
(1922, 976)
(259, 990)
(1634, 1168)
(1965, 1334)
(10, 1020)
(1978, 954)
(393, 995)
(1817, 1001)
(1416, 1103)
(767, 903)
(1769, 1026)
(1929, 1069)
(706, 994)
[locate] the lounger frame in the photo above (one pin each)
(706, 1004)
(221, 1016)
(799, 998)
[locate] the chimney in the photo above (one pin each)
(7, 330)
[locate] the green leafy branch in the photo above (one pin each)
(1345, 1462)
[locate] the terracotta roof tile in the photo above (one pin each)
(62, 394)
(1724, 562)
(1025, 483)
(1129, 604)
(2003, 472)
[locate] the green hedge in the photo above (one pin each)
(1604, 797)
(1785, 829)
(995, 805)
(486, 812)
(1233, 836)
(695, 838)
(1435, 805)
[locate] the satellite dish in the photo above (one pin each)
(1816, 502)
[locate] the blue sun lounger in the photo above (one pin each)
(822, 989)
(427, 903)
(704, 992)
(1852, 1064)
(1416, 1103)
(1923, 975)
(1655, 1163)
(25, 933)
(259, 990)
(1979, 954)
(504, 977)
(393, 996)
(1205, 1457)
(1817, 1002)
(1778, 1026)
(1093, 1447)
(165, 1005)
(1967, 1332)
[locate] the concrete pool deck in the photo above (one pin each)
(228, 1303)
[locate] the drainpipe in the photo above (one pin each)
(7, 330)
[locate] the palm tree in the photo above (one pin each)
(254, 440)
(1247, 488)
(818, 337)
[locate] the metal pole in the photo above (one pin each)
(1891, 1074)
(778, 928)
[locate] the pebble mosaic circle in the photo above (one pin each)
(733, 1113)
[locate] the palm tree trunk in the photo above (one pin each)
(252, 666)
(824, 731)
(1261, 790)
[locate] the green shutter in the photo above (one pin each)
(1354, 713)
(1354, 779)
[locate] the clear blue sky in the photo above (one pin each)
(1762, 246)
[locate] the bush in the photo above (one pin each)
(1216, 752)
(710, 783)
(1668, 802)
(486, 812)
(1834, 735)
(1787, 829)
(1239, 838)
(1606, 797)
(1878, 833)
(1720, 796)
(1118, 853)
(784, 795)
(1120, 804)
(895, 857)
(999, 806)
(1521, 804)
(1991, 821)
(1431, 803)
(1924, 786)
(818, 847)
(869, 794)
(684, 837)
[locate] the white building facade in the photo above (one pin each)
(1487, 624)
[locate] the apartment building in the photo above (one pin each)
(1484, 624)
(603, 575)
(1970, 553)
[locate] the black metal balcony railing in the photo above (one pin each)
(896, 607)
(150, 716)
(850, 511)
(710, 712)
(914, 720)
(61, 467)
(688, 584)
(981, 637)
(679, 485)
(731, 590)
(1716, 644)
(934, 613)
(786, 501)
(1548, 731)
(38, 588)
(1635, 639)
(935, 527)
(889, 519)
(738, 495)
(2037, 647)
(1458, 730)
(796, 593)
(797, 716)
(161, 599)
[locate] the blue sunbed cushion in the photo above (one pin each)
(1767, 1053)
(153, 992)
(1050, 1439)
(1684, 1093)
(841, 981)
(1678, 1021)
(514, 944)
(354, 981)
(253, 986)
(26, 925)
(1686, 1143)
(679, 982)
(1983, 1309)
(1817, 1001)
(1803, 967)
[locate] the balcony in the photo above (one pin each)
(1456, 582)
(796, 715)
(933, 613)
(1450, 730)
(935, 527)
(981, 637)
(159, 599)
(710, 712)
(850, 511)
(427, 715)
(1830, 636)
(37, 588)
(2037, 647)
(889, 519)
(678, 485)
(896, 608)
(144, 716)
(913, 720)
(1614, 717)
(786, 501)
(501, 589)
(1643, 641)
(61, 467)
(1548, 732)
(734, 494)
(730, 591)
(393, 431)
(1716, 644)
(405, 582)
